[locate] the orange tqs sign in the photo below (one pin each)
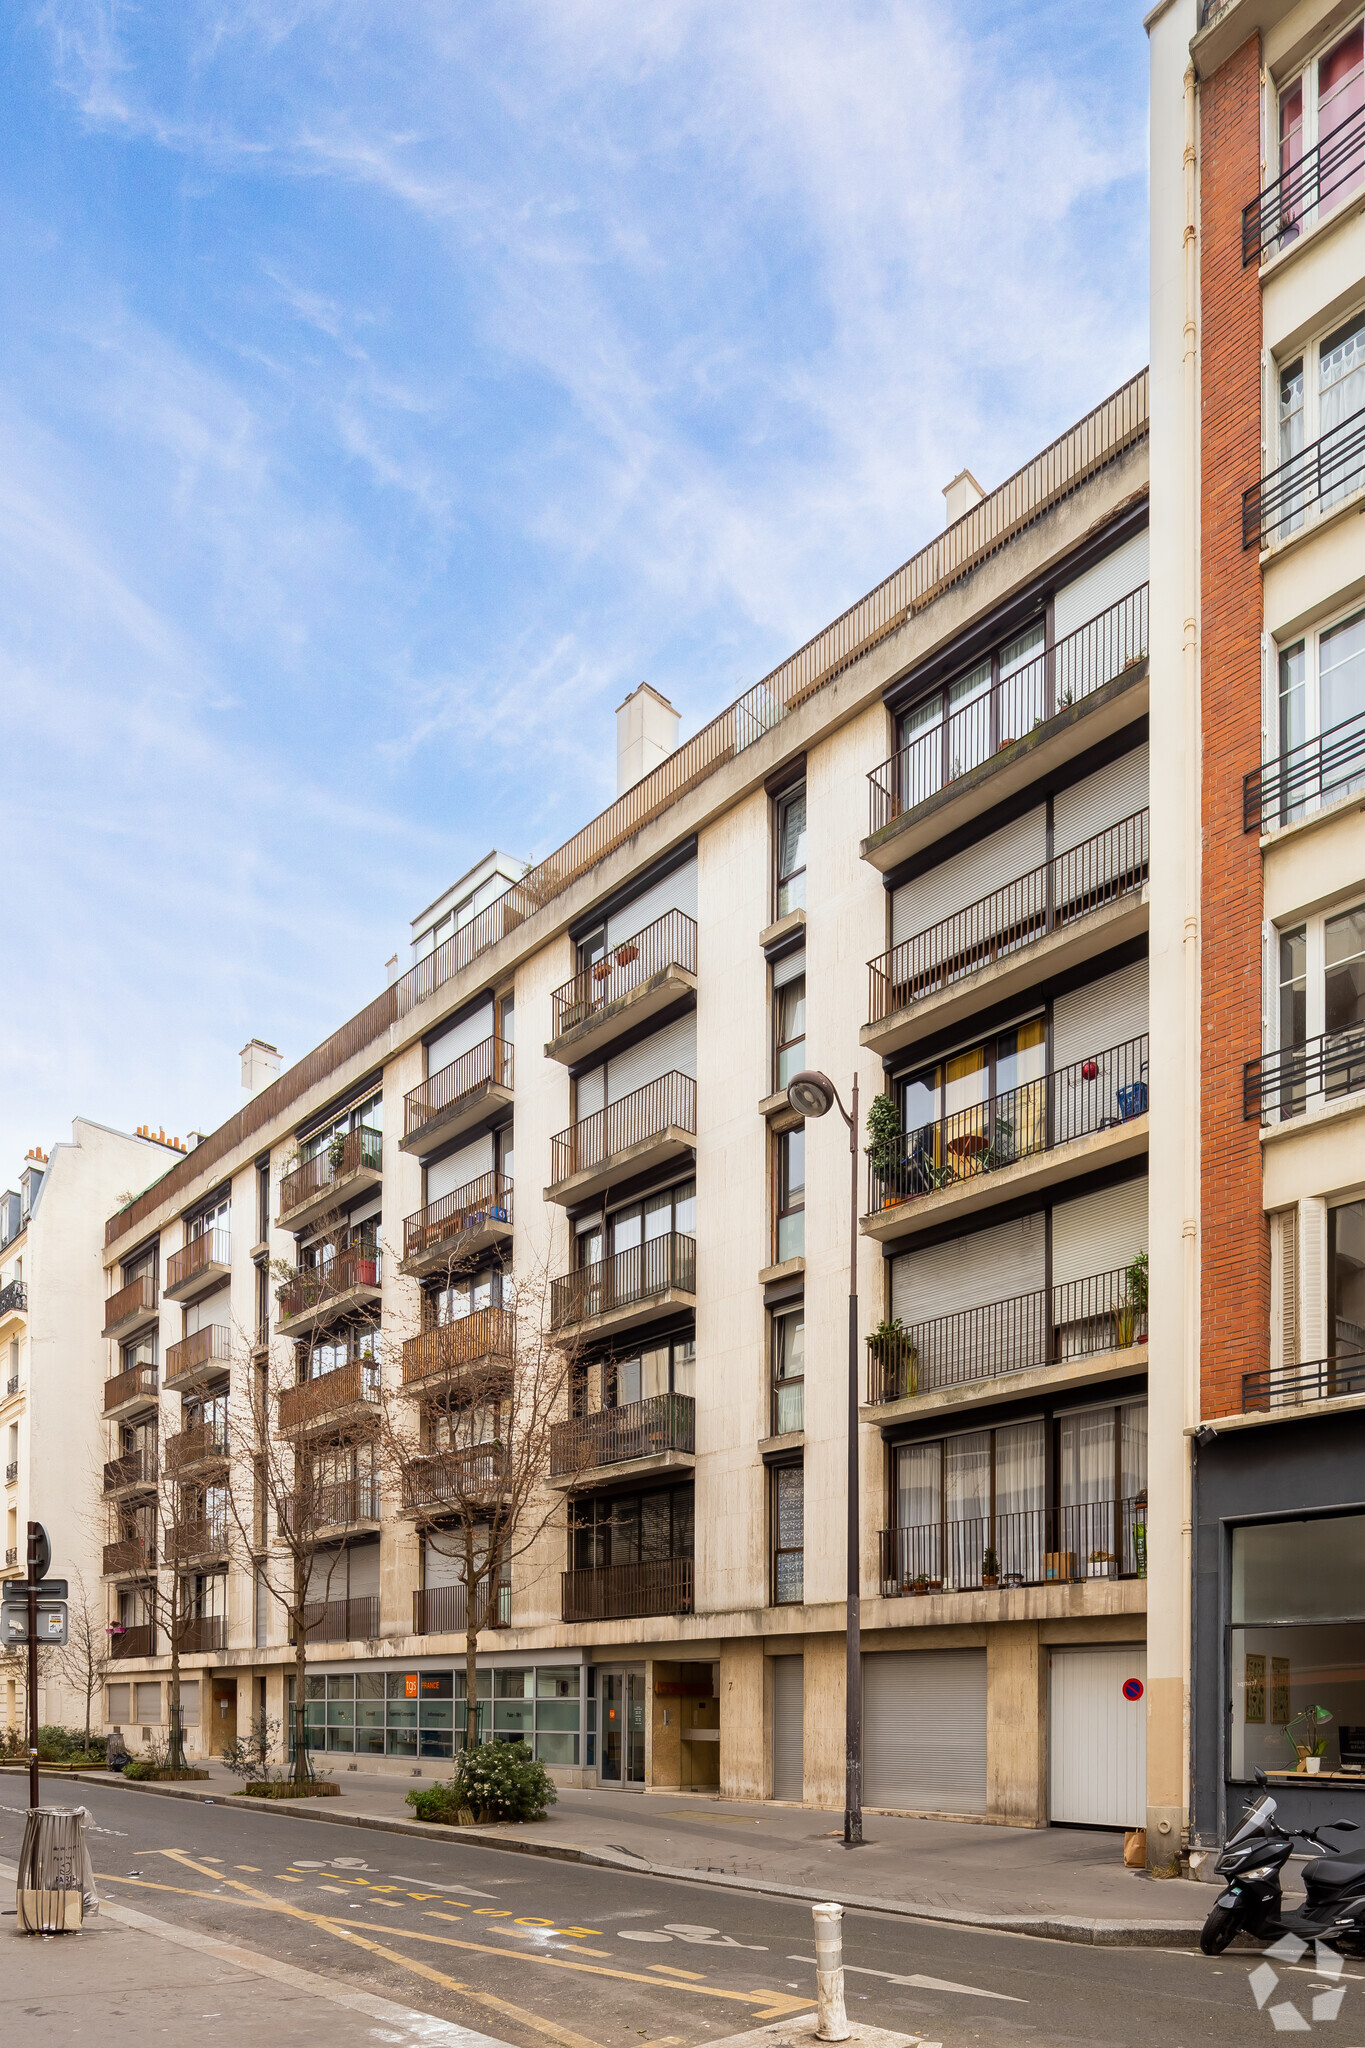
(410, 1685)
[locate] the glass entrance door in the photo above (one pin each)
(621, 1704)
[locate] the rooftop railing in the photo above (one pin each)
(483, 1066)
(1297, 1078)
(1294, 1386)
(1317, 181)
(612, 1436)
(627, 1592)
(1319, 476)
(336, 1161)
(1316, 772)
(640, 1274)
(671, 941)
(1100, 1539)
(670, 1102)
(441, 1225)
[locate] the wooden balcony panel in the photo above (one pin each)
(478, 1472)
(660, 1428)
(205, 1355)
(129, 1554)
(317, 1295)
(131, 1307)
(122, 1475)
(351, 1391)
(132, 1642)
(458, 1226)
(336, 1174)
(199, 1266)
(126, 1391)
(477, 1345)
(205, 1444)
(202, 1537)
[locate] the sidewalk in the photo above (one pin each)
(1067, 1884)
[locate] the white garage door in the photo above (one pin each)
(924, 1730)
(1097, 1737)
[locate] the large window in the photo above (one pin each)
(789, 1369)
(358, 1342)
(791, 852)
(1346, 1279)
(667, 1212)
(1319, 391)
(949, 1131)
(1321, 687)
(453, 1300)
(667, 1368)
(363, 1116)
(631, 1528)
(960, 724)
(789, 1535)
(1322, 976)
(1321, 105)
(791, 1194)
(1297, 1641)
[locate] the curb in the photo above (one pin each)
(1092, 1933)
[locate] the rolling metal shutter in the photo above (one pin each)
(677, 891)
(458, 1169)
(975, 872)
(789, 1696)
(1098, 587)
(214, 1308)
(663, 1052)
(362, 1577)
(1106, 1012)
(966, 1272)
(1105, 798)
(906, 1695)
(460, 1038)
(1097, 1739)
(440, 1567)
(1099, 1233)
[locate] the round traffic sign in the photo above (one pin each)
(1132, 1688)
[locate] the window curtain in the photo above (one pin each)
(967, 1476)
(1341, 392)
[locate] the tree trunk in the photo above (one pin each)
(471, 1688)
(175, 1755)
(303, 1770)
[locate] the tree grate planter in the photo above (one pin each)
(321, 1788)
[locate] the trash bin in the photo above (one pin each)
(55, 1885)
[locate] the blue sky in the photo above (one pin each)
(384, 391)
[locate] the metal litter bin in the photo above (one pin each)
(55, 1884)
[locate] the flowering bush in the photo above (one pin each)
(496, 1781)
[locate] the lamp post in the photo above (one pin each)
(813, 1094)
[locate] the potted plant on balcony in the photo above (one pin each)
(920, 1583)
(990, 1568)
(1129, 1311)
(884, 1149)
(601, 969)
(1099, 1564)
(626, 955)
(895, 1353)
(336, 1151)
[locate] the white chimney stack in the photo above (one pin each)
(646, 732)
(961, 494)
(260, 1065)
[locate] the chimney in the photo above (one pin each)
(961, 494)
(260, 1065)
(646, 731)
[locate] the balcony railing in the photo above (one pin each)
(313, 1286)
(1099, 871)
(1061, 676)
(1326, 471)
(452, 1348)
(488, 1065)
(1101, 1539)
(200, 1353)
(444, 1610)
(1083, 1318)
(630, 1278)
(14, 1298)
(202, 1444)
(1316, 772)
(125, 1386)
(668, 1102)
(627, 1592)
(132, 1642)
(210, 1248)
(611, 1436)
(342, 1621)
(137, 1469)
(671, 941)
(1320, 177)
(204, 1536)
(362, 1148)
(332, 1505)
(130, 1554)
(1291, 1386)
(474, 1473)
(441, 1225)
(1282, 1084)
(11, 1471)
(1099, 1093)
(137, 1298)
(203, 1632)
(349, 1386)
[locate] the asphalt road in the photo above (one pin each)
(541, 1951)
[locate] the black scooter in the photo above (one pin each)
(1252, 1859)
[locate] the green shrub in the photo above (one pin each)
(140, 1767)
(440, 1802)
(67, 1746)
(496, 1781)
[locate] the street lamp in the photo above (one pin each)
(812, 1095)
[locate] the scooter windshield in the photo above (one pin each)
(1260, 1816)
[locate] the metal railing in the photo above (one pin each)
(1321, 175)
(670, 1102)
(137, 1298)
(444, 1610)
(671, 941)
(638, 1275)
(139, 1468)
(14, 1298)
(132, 1642)
(1098, 872)
(201, 1444)
(11, 1471)
(442, 1224)
(487, 1065)
(1062, 675)
(342, 1621)
(473, 1473)
(202, 1632)
(210, 1248)
(333, 1504)
(1100, 1539)
(12, 1383)
(348, 1386)
(1326, 471)
(314, 1286)
(626, 1592)
(201, 1351)
(610, 1436)
(1314, 773)
(1098, 1093)
(452, 1348)
(1083, 1317)
(362, 1148)
(139, 1380)
(1290, 1386)
(1282, 1084)
(129, 1554)
(200, 1536)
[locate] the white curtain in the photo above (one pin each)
(919, 1506)
(1341, 392)
(967, 1462)
(1020, 1480)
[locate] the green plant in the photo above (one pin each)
(1310, 1742)
(438, 1803)
(1135, 1283)
(896, 1351)
(248, 1757)
(68, 1746)
(496, 1781)
(884, 1134)
(140, 1767)
(990, 1564)
(336, 1151)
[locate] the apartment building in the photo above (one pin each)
(1258, 889)
(917, 852)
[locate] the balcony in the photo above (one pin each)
(1301, 1386)
(1101, 1539)
(459, 1226)
(1324, 474)
(1308, 778)
(203, 1536)
(1078, 1320)
(320, 1294)
(342, 1504)
(1092, 1113)
(634, 980)
(452, 1479)
(444, 1610)
(131, 1642)
(13, 1300)
(1090, 684)
(199, 1359)
(628, 1592)
(1308, 189)
(129, 1554)
(200, 1266)
(1300, 1078)
(130, 1474)
(646, 1128)
(636, 1286)
(133, 1308)
(197, 1448)
(471, 1094)
(477, 1349)
(342, 1621)
(657, 1434)
(1068, 910)
(342, 1171)
(126, 1392)
(333, 1400)
(202, 1633)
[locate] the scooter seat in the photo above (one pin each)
(1326, 1875)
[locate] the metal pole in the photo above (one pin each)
(853, 1674)
(33, 1663)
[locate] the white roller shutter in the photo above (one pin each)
(440, 1566)
(1105, 798)
(1104, 1013)
(1103, 584)
(907, 1693)
(967, 1272)
(459, 1038)
(590, 1093)
(677, 891)
(1099, 1233)
(789, 1781)
(663, 1052)
(458, 1169)
(147, 1697)
(1097, 1738)
(119, 1703)
(788, 968)
(363, 1560)
(189, 1702)
(975, 872)
(214, 1308)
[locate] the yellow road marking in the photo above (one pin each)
(254, 1868)
(666, 1970)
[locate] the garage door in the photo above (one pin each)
(788, 1712)
(1097, 1737)
(924, 1730)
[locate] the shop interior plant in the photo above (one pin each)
(1302, 1735)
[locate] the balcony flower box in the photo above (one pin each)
(601, 969)
(626, 955)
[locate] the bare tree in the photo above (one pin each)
(85, 1658)
(153, 1535)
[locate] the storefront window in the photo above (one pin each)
(1297, 1640)
(422, 1713)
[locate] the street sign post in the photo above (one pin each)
(39, 1561)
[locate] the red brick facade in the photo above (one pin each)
(1235, 1306)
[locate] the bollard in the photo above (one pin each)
(831, 2020)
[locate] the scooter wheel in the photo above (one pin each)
(1218, 1930)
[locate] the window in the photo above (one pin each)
(667, 1212)
(1346, 1279)
(1320, 993)
(949, 1129)
(961, 724)
(788, 1338)
(263, 1201)
(1321, 690)
(142, 1351)
(791, 851)
(1297, 1630)
(666, 1369)
(1320, 394)
(344, 1347)
(791, 1194)
(507, 1020)
(367, 1116)
(1321, 108)
(632, 1528)
(453, 1300)
(789, 1535)
(789, 1018)
(218, 1216)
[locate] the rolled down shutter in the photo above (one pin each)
(788, 1714)
(674, 1049)
(189, 1702)
(590, 1092)
(1105, 798)
(1099, 1233)
(458, 1169)
(677, 891)
(975, 872)
(119, 1703)
(440, 1565)
(905, 1693)
(967, 1272)
(459, 1038)
(214, 1308)
(1104, 1013)
(147, 1695)
(363, 1559)
(1101, 585)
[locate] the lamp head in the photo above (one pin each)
(811, 1094)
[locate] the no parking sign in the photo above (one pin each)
(1132, 1688)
